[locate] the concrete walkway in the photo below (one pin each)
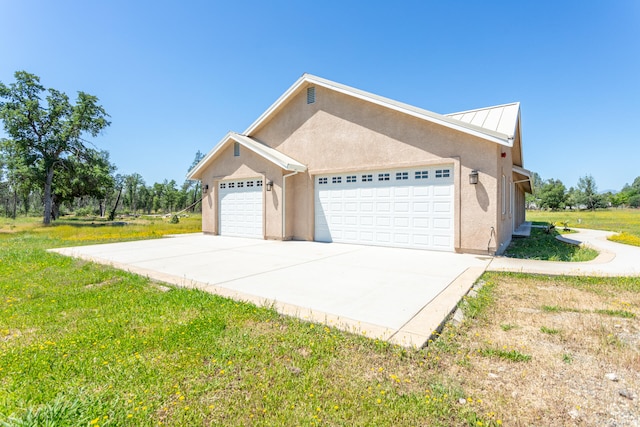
(615, 259)
(399, 295)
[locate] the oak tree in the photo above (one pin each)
(48, 130)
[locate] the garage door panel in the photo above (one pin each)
(383, 207)
(440, 207)
(383, 221)
(351, 234)
(442, 190)
(422, 191)
(405, 208)
(383, 192)
(366, 220)
(441, 241)
(402, 191)
(401, 239)
(421, 207)
(401, 207)
(383, 237)
(401, 222)
(366, 236)
(421, 240)
(442, 223)
(421, 223)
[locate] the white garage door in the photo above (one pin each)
(410, 208)
(240, 208)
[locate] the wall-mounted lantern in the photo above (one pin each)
(206, 188)
(473, 177)
(269, 185)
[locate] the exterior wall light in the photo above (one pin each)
(206, 188)
(269, 185)
(473, 177)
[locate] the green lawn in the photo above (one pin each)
(626, 222)
(86, 344)
(542, 245)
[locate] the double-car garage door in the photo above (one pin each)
(410, 208)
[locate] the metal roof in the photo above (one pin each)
(501, 118)
(271, 154)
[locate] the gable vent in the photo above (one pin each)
(311, 95)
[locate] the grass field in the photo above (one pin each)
(85, 344)
(625, 222)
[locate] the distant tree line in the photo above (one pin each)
(553, 195)
(47, 168)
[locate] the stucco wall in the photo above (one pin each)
(339, 133)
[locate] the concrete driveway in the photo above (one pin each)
(400, 295)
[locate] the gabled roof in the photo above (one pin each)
(494, 135)
(268, 153)
(501, 118)
(497, 124)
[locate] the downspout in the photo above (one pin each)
(284, 200)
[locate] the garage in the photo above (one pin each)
(241, 207)
(409, 208)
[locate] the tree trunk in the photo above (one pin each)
(55, 210)
(15, 202)
(112, 215)
(196, 192)
(26, 202)
(48, 196)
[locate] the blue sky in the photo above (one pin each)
(175, 76)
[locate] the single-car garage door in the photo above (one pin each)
(240, 208)
(410, 208)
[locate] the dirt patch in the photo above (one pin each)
(584, 367)
(160, 287)
(102, 284)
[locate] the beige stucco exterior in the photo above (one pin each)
(344, 133)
